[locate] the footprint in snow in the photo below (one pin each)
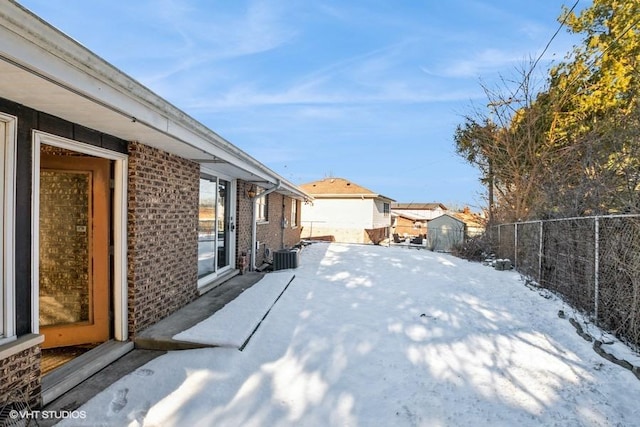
(119, 400)
(145, 372)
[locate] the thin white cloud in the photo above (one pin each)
(383, 75)
(263, 28)
(480, 63)
(245, 97)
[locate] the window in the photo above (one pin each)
(263, 209)
(294, 213)
(7, 207)
(385, 209)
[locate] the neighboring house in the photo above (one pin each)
(117, 208)
(474, 223)
(344, 211)
(406, 224)
(424, 211)
(445, 232)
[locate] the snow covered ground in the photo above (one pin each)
(377, 336)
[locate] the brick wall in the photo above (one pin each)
(163, 239)
(243, 218)
(291, 233)
(20, 375)
(270, 234)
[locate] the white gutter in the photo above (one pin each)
(254, 225)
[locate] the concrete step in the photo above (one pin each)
(82, 367)
(159, 336)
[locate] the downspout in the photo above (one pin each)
(282, 224)
(254, 225)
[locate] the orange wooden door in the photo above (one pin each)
(74, 250)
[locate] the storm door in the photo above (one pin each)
(74, 250)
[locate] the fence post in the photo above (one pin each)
(540, 255)
(596, 267)
(515, 246)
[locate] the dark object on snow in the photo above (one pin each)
(597, 346)
(585, 336)
(285, 259)
(503, 264)
(397, 239)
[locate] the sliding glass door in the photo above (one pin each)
(215, 228)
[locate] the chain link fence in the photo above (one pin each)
(593, 262)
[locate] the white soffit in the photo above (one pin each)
(35, 92)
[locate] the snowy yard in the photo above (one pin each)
(377, 336)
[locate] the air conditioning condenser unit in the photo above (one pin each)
(286, 258)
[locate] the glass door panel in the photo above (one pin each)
(223, 212)
(73, 262)
(207, 228)
(65, 289)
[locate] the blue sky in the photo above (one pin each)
(366, 90)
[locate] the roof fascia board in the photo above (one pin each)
(344, 196)
(450, 216)
(294, 192)
(351, 196)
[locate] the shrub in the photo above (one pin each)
(473, 248)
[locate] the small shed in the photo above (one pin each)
(444, 232)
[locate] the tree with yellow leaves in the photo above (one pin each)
(572, 148)
(595, 99)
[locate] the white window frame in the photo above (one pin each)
(119, 214)
(7, 227)
(262, 209)
(294, 213)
